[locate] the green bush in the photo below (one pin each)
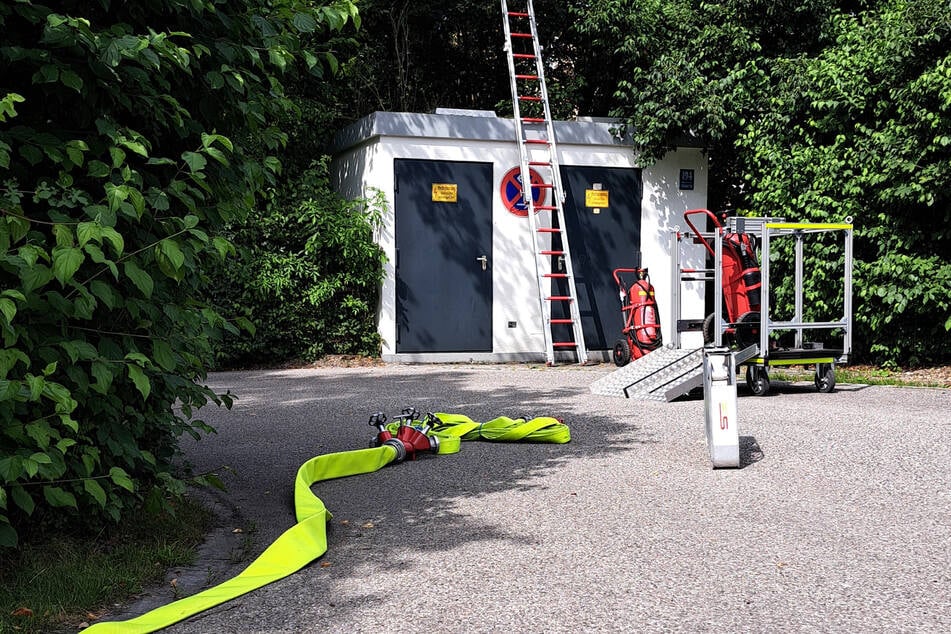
(308, 276)
(130, 134)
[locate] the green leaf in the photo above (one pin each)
(11, 468)
(8, 308)
(141, 279)
(196, 162)
(170, 259)
(142, 383)
(121, 478)
(35, 384)
(58, 497)
(87, 231)
(103, 375)
(139, 358)
(117, 156)
(72, 80)
(116, 195)
(95, 489)
(66, 261)
(41, 458)
(304, 22)
(22, 499)
(9, 358)
(273, 164)
(170, 249)
(136, 147)
(64, 444)
(114, 238)
(98, 169)
(163, 355)
(104, 292)
(64, 235)
(223, 247)
(35, 277)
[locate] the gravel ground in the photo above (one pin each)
(839, 520)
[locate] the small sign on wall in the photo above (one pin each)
(445, 193)
(686, 179)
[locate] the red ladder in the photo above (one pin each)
(538, 150)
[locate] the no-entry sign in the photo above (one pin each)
(511, 191)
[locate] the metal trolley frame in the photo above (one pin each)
(768, 354)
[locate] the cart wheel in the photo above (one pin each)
(708, 334)
(757, 379)
(622, 352)
(747, 329)
(825, 377)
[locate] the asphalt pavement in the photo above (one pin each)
(839, 519)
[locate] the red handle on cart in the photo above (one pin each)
(617, 278)
(711, 216)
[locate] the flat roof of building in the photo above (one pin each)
(471, 125)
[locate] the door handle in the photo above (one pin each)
(485, 262)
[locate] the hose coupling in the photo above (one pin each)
(400, 448)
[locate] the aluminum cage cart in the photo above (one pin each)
(774, 349)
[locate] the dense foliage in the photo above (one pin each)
(130, 134)
(308, 275)
(814, 111)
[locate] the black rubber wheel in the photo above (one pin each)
(708, 334)
(825, 377)
(757, 379)
(622, 352)
(747, 329)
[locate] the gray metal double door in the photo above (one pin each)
(443, 213)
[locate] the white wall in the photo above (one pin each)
(515, 293)
(662, 212)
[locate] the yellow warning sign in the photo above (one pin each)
(445, 193)
(598, 198)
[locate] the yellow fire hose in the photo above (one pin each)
(307, 540)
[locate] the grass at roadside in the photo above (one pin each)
(870, 375)
(59, 582)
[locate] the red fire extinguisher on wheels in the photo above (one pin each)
(641, 332)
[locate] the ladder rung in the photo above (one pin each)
(544, 207)
(523, 56)
(537, 141)
(542, 185)
(532, 77)
(533, 120)
(565, 344)
(521, 34)
(558, 276)
(548, 229)
(517, 14)
(561, 321)
(529, 98)
(559, 298)
(540, 163)
(552, 252)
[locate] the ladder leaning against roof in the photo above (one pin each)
(535, 136)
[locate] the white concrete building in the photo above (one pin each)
(460, 272)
